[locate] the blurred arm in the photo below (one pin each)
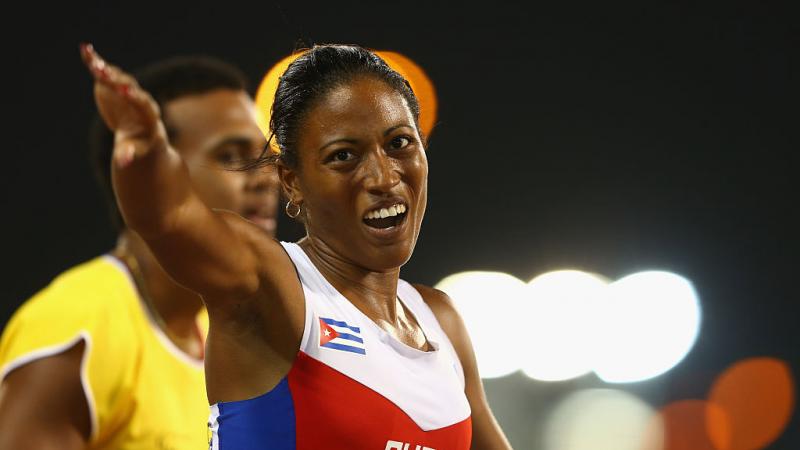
(206, 251)
(43, 405)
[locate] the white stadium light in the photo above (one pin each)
(560, 324)
(650, 322)
(600, 419)
(567, 323)
(489, 303)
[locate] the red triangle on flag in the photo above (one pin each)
(326, 333)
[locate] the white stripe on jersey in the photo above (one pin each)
(344, 341)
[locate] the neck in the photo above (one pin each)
(374, 293)
(176, 306)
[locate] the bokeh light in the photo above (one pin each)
(420, 83)
(560, 323)
(489, 303)
(757, 396)
(599, 419)
(265, 95)
(682, 425)
(650, 322)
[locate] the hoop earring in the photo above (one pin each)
(292, 209)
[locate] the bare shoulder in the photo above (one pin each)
(437, 300)
(445, 311)
(454, 327)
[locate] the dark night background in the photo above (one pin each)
(611, 138)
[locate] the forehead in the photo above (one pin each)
(196, 118)
(356, 106)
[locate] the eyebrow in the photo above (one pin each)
(355, 141)
(336, 141)
(239, 141)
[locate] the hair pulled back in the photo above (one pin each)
(314, 74)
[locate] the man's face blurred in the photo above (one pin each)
(214, 132)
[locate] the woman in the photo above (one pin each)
(317, 344)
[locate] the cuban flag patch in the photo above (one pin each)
(338, 335)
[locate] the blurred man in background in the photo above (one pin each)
(110, 354)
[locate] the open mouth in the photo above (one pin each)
(383, 218)
(260, 217)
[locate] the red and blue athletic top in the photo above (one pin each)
(353, 386)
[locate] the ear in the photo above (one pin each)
(290, 184)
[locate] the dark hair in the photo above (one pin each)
(165, 80)
(315, 73)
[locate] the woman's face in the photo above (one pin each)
(360, 157)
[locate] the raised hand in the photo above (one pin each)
(128, 110)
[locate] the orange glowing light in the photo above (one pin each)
(420, 84)
(419, 81)
(757, 397)
(266, 94)
(683, 425)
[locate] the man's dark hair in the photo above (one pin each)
(165, 80)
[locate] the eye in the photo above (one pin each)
(341, 156)
(399, 142)
(227, 156)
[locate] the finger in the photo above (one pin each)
(87, 54)
(143, 101)
(136, 97)
(100, 68)
(120, 82)
(106, 73)
(96, 64)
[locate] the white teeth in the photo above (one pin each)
(383, 213)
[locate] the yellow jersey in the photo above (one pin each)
(142, 391)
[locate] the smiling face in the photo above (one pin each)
(214, 132)
(362, 174)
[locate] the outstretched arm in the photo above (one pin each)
(486, 432)
(208, 251)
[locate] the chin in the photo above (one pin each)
(384, 259)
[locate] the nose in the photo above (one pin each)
(262, 179)
(380, 173)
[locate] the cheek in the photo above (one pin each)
(418, 180)
(327, 207)
(328, 200)
(417, 171)
(217, 187)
